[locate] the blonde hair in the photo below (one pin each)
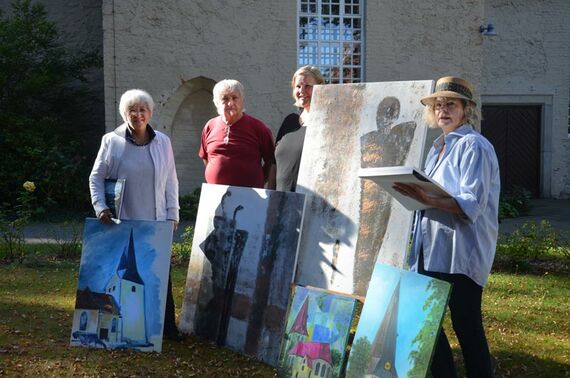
(132, 97)
(310, 71)
(472, 114)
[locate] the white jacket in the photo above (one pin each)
(165, 183)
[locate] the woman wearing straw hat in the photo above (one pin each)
(455, 238)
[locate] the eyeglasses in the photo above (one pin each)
(227, 137)
(449, 104)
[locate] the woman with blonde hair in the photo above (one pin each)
(455, 237)
(291, 134)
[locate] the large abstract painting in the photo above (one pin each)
(399, 324)
(121, 290)
(349, 222)
(315, 339)
(241, 268)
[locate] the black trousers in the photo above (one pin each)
(467, 321)
(169, 314)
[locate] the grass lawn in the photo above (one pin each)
(527, 319)
(527, 322)
(36, 307)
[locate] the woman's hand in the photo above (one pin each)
(105, 217)
(418, 193)
(413, 191)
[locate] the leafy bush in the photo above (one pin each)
(189, 205)
(515, 203)
(12, 229)
(67, 240)
(529, 243)
(43, 97)
(181, 251)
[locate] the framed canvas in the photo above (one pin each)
(399, 324)
(386, 177)
(317, 332)
(122, 284)
(242, 264)
(351, 222)
(114, 190)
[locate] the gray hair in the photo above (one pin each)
(472, 114)
(227, 86)
(132, 97)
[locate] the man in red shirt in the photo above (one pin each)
(237, 149)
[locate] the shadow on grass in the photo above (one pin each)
(36, 307)
(512, 364)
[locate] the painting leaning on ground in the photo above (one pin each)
(241, 268)
(399, 324)
(121, 289)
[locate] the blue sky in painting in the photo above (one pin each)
(411, 315)
(103, 246)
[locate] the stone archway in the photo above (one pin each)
(182, 117)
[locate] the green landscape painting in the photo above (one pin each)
(399, 324)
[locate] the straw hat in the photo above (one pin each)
(450, 86)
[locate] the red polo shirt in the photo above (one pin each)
(240, 161)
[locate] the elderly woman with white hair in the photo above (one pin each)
(142, 156)
(237, 149)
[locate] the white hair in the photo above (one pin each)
(227, 86)
(132, 97)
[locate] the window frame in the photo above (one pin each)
(327, 53)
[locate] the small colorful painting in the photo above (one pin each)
(399, 324)
(242, 264)
(121, 290)
(318, 326)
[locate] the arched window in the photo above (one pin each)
(114, 325)
(329, 36)
(133, 289)
(83, 321)
(317, 368)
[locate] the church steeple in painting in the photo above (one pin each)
(383, 362)
(127, 268)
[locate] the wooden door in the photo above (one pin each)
(514, 131)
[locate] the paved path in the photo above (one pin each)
(557, 212)
(42, 232)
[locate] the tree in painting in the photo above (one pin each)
(359, 357)
(424, 339)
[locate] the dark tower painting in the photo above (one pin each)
(383, 356)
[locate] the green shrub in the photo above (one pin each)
(12, 225)
(189, 205)
(529, 243)
(67, 240)
(515, 203)
(181, 251)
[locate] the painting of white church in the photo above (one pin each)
(121, 291)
